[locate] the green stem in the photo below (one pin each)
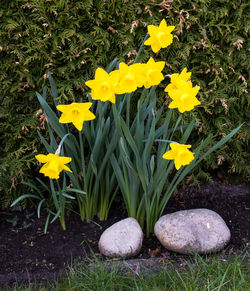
(63, 222)
(53, 194)
(81, 208)
(82, 154)
(83, 170)
(128, 110)
(62, 206)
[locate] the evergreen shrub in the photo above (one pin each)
(71, 38)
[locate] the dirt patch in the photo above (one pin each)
(27, 254)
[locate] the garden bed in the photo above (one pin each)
(27, 254)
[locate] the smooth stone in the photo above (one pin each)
(192, 231)
(122, 239)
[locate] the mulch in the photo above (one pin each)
(28, 255)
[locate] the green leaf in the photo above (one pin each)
(68, 196)
(75, 191)
(219, 144)
(39, 207)
(53, 89)
(46, 144)
(43, 184)
(56, 216)
(152, 164)
(24, 196)
(46, 223)
(112, 65)
(188, 131)
(51, 116)
(32, 186)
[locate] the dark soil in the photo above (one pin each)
(27, 254)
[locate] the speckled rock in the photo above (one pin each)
(192, 231)
(122, 239)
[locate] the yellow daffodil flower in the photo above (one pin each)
(184, 98)
(76, 113)
(160, 36)
(126, 78)
(102, 87)
(152, 71)
(180, 154)
(54, 164)
(177, 80)
(138, 70)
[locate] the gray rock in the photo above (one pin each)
(192, 231)
(122, 239)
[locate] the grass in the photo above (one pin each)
(208, 273)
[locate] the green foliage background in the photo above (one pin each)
(70, 38)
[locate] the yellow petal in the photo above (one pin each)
(160, 65)
(48, 172)
(182, 108)
(150, 61)
(78, 124)
(88, 115)
(174, 146)
(155, 47)
(152, 29)
(173, 105)
(196, 90)
(65, 160)
(95, 95)
(62, 107)
(170, 155)
(170, 28)
(42, 158)
(123, 67)
(166, 40)
(65, 118)
(149, 41)
(163, 25)
(177, 164)
(84, 106)
(90, 83)
(67, 169)
(101, 74)
(169, 87)
(184, 75)
(112, 99)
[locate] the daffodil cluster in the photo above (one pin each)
(125, 80)
(182, 92)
